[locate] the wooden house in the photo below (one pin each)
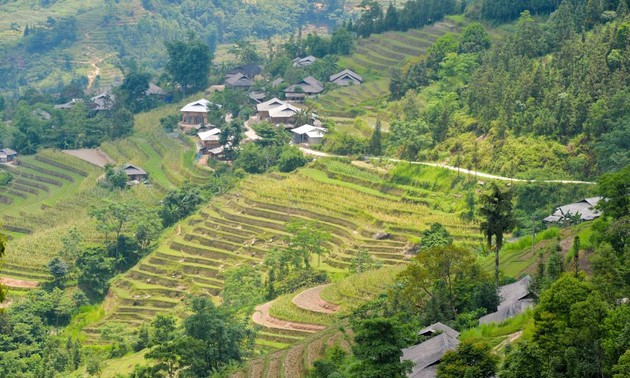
(103, 101)
(346, 77)
(585, 208)
(264, 107)
(7, 155)
(306, 87)
(283, 114)
(515, 298)
(308, 134)
(238, 80)
(209, 139)
(304, 62)
(195, 114)
(426, 356)
(156, 92)
(134, 173)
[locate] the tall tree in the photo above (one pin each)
(189, 64)
(468, 361)
(496, 210)
(378, 349)
(376, 141)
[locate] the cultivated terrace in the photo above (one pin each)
(317, 189)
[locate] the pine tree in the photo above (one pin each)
(376, 143)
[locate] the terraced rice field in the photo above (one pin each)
(45, 188)
(240, 227)
(374, 57)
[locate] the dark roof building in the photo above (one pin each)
(257, 96)
(103, 101)
(7, 155)
(250, 70)
(238, 80)
(154, 90)
(515, 298)
(134, 173)
(308, 86)
(346, 77)
(427, 355)
(585, 207)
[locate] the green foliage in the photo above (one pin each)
(114, 178)
(59, 270)
(189, 64)
(95, 270)
(291, 159)
(243, 288)
(498, 218)
(615, 188)
(210, 340)
(469, 361)
(474, 39)
(436, 236)
(178, 204)
(415, 14)
(51, 34)
(375, 147)
(378, 349)
(363, 261)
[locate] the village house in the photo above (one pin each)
(277, 82)
(156, 92)
(264, 107)
(426, 356)
(195, 114)
(68, 105)
(257, 97)
(585, 208)
(283, 114)
(238, 80)
(308, 134)
(306, 87)
(103, 101)
(209, 139)
(134, 173)
(346, 77)
(515, 298)
(304, 62)
(250, 70)
(7, 155)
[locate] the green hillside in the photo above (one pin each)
(374, 58)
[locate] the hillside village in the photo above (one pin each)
(318, 189)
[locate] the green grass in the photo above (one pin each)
(356, 289)
(493, 334)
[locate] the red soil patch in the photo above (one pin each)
(11, 282)
(311, 300)
(261, 317)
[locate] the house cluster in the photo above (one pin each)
(243, 77)
(8, 155)
(275, 111)
(426, 356)
(105, 99)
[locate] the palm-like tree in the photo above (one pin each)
(496, 209)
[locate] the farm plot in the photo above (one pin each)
(242, 226)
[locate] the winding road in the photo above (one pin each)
(308, 151)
